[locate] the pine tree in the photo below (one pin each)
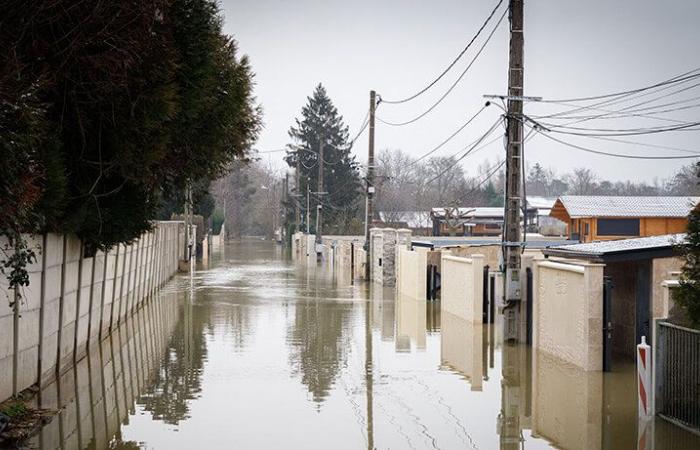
(493, 198)
(688, 293)
(341, 179)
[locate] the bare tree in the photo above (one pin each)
(582, 182)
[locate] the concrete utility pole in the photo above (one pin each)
(369, 210)
(512, 236)
(319, 208)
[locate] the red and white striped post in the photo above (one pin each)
(645, 391)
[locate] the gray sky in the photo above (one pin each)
(572, 48)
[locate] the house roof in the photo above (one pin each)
(621, 249)
(477, 211)
(413, 219)
(538, 202)
(578, 206)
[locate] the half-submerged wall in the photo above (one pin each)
(463, 286)
(568, 312)
(73, 301)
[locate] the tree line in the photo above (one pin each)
(404, 183)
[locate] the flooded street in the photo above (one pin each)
(257, 352)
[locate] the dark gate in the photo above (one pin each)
(528, 305)
(485, 297)
(607, 324)
(492, 298)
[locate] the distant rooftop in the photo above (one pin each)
(412, 219)
(578, 206)
(476, 211)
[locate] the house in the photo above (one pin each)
(418, 222)
(476, 221)
(597, 218)
(539, 219)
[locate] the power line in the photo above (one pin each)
(449, 138)
(629, 108)
(484, 136)
(488, 39)
(624, 98)
(643, 144)
(444, 72)
(616, 155)
(675, 79)
(579, 131)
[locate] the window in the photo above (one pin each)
(618, 227)
(587, 230)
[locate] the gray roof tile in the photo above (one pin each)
(610, 206)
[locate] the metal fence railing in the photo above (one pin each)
(678, 374)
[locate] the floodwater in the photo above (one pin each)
(258, 352)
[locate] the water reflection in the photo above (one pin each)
(318, 338)
(463, 348)
(98, 395)
(257, 351)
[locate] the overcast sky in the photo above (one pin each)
(572, 48)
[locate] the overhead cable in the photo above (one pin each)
(452, 64)
(451, 88)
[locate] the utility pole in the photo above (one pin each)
(286, 205)
(514, 148)
(369, 210)
(297, 188)
(319, 208)
(308, 202)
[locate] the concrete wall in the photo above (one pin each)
(389, 257)
(568, 312)
(72, 301)
(662, 269)
(411, 276)
(462, 281)
(491, 253)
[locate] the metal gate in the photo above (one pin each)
(528, 306)
(678, 374)
(485, 296)
(607, 324)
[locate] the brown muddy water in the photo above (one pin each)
(257, 352)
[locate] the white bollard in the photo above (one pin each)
(645, 390)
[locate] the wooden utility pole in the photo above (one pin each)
(514, 131)
(297, 190)
(285, 216)
(319, 208)
(369, 212)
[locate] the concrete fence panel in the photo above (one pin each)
(51, 297)
(69, 301)
(411, 273)
(568, 312)
(462, 284)
(72, 301)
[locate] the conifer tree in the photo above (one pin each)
(688, 293)
(341, 179)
